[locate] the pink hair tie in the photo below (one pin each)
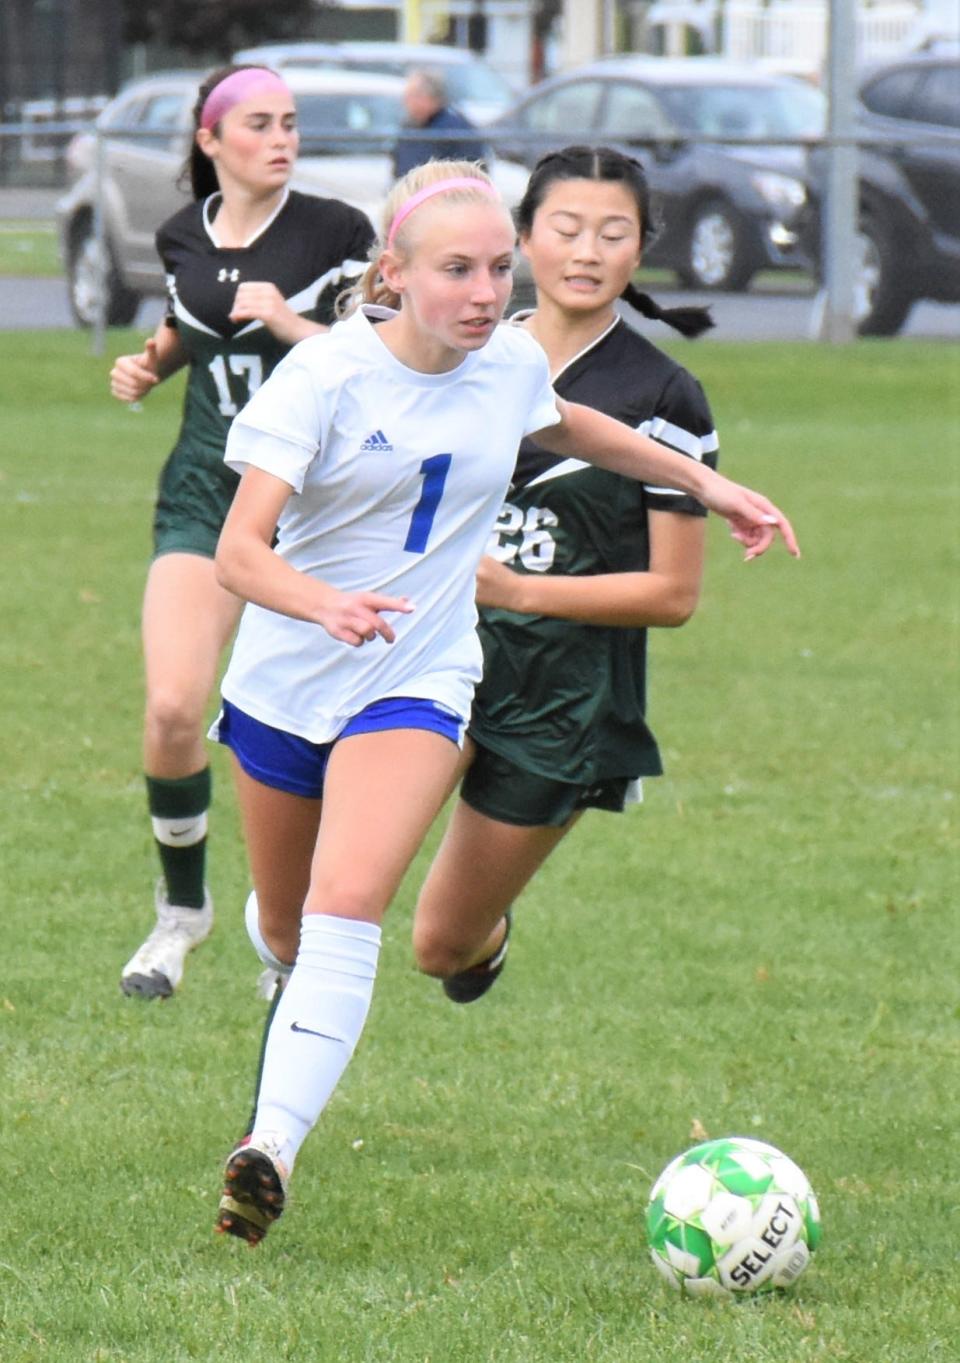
(235, 88)
(438, 187)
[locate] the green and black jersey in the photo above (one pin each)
(311, 249)
(561, 699)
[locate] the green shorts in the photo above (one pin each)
(498, 788)
(193, 498)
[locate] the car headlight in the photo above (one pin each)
(782, 192)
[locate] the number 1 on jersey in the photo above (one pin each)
(434, 472)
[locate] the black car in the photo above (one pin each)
(727, 210)
(909, 189)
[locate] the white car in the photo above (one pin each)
(476, 88)
(348, 120)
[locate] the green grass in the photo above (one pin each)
(29, 248)
(768, 948)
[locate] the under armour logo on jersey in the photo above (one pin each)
(376, 443)
(228, 276)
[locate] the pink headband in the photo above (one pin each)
(438, 187)
(234, 89)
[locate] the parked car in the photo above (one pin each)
(727, 210)
(908, 244)
(478, 91)
(348, 121)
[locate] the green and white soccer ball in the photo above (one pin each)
(732, 1217)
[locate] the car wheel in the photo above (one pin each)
(880, 301)
(718, 254)
(87, 273)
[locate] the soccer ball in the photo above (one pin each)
(730, 1218)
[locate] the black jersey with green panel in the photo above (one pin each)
(311, 249)
(559, 698)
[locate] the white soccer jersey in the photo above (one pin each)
(398, 477)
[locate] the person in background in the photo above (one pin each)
(252, 267)
(430, 120)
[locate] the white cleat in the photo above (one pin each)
(155, 970)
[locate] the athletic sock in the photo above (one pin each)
(268, 1021)
(178, 812)
(316, 1026)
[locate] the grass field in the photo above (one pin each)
(769, 947)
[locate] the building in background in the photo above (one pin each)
(786, 35)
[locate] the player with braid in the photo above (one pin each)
(252, 267)
(581, 563)
(381, 454)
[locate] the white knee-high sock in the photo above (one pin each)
(316, 1026)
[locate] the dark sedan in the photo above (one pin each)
(727, 209)
(908, 244)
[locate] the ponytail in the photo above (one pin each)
(369, 288)
(690, 322)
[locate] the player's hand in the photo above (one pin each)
(259, 301)
(132, 376)
(753, 519)
(355, 617)
(497, 585)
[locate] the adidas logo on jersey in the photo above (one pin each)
(376, 443)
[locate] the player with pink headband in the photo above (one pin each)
(252, 267)
(374, 462)
(471, 182)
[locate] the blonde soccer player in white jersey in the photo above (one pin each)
(381, 453)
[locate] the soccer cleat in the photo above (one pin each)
(155, 970)
(254, 1189)
(473, 983)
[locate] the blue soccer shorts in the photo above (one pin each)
(288, 762)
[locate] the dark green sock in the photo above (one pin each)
(277, 993)
(178, 812)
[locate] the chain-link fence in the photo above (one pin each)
(118, 183)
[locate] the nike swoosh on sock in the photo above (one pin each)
(295, 1027)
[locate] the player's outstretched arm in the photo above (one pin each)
(247, 566)
(583, 433)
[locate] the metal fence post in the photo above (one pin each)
(99, 336)
(840, 245)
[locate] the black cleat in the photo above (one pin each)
(471, 984)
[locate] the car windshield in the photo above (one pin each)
(320, 115)
(464, 80)
(477, 83)
(748, 110)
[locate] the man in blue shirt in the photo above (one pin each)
(430, 121)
